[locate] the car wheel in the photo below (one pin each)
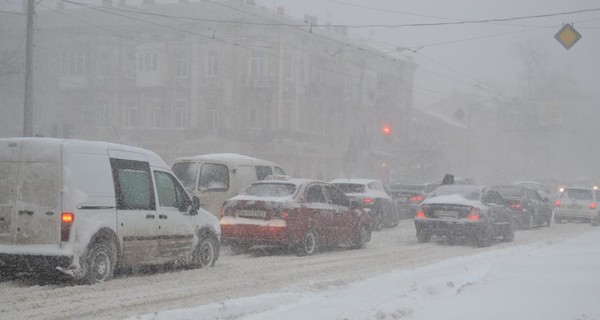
(530, 222)
(239, 248)
(423, 236)
(378, 223)
(205, 254)
(484, 239)
(509, 236)
(100, 262)
(362, 237)
(309, 244)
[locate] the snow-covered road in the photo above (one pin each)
(258, 273)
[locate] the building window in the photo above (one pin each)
(212, 63)
(180, 114)
(257, 64)
(104, 65)
(147, 61)
(182, 68)
(131, 115)
(211, 121)
(156, 117)
(75, 64)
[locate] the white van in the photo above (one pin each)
(217, 177)
(86, 208)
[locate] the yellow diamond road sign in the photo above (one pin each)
(567, 36)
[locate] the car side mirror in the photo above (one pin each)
(195, 205)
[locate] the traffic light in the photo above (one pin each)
(386, 129)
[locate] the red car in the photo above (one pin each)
(297, 213)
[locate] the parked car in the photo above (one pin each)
(407, 194)
(373, 196)
(530, 208)
(296, 213)
(86, 208)
(475, 212)
(578, 204)
(214, 178)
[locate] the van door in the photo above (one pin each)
(137, 218)
(9, 168)
(175, 224)
(30, 198)
(214, 186)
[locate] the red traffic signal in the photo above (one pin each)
(386, 130)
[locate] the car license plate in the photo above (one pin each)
(446, 214)
(255, 214)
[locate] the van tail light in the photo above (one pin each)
(557, 203)
(474, 215)
(416, 198)
(368, 200)
(515, 205)
(593, 205)
(66, 221)
(420, 213)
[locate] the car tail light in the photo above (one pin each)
(593, 205)
(420, 213)
(66, 221)
(474, 214)
(416, 198)
(368, 200)
(516, 205)
(284, 214)
(557, 203)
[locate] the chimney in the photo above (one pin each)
(281, 10)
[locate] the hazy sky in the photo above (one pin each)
(446, 57)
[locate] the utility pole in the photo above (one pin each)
(27, 108)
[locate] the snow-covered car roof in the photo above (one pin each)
(356, 181)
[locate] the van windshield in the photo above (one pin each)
(186, 173)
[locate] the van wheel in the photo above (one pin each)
(100, 262)
(205, 254)
(309, 244)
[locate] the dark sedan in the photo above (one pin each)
(477, 213)
(530, 208)
(407, 194)
(297, 213)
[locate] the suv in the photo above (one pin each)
(578, 204)
(86, 208)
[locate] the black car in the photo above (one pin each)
(407, 194)
(530, 208)
(477, 213)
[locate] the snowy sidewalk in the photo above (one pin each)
(550, 280)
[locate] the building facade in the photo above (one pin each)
(188, 78)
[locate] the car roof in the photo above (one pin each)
(355, 181)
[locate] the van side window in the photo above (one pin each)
(170, 193)
(263, 171)
(214, 177)
(133, 185)
(186, 172)
(278, 171)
